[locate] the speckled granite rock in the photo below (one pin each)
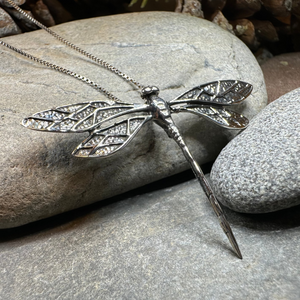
(39, 177)
(259, 171)
(164, 245)
(282, 74)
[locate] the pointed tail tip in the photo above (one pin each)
(235, 246)
(238, 253)
(227, 230)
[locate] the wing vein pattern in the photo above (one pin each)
(208, 100)
(79, 117)
(106, 141)
(223, 92)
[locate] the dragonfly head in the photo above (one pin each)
(149, 91)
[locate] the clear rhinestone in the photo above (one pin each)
(83, 152)
(84, 113)
(67, 124)
(55, 127)
(203, 110)
(204, 98)
(29, 123)
(117, 129)
(190, 95)
(71, 108)
(86, 123)
(220, 100)
(100, 152)
(37, 124)
(94, 141)
(114, 140)
(105, 150)
(225, 113)
(211, 88)
(103, 114)
(232, 97)
(50, 114)
(100, 104)
(43, 125)
(133, 124)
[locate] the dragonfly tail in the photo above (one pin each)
(174, 133)
(223, 222)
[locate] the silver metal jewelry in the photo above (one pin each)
(112, 124)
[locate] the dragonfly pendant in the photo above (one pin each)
(112, 125)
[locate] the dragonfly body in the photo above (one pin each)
(161, 114)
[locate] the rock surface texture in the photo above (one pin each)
(282, 74)
(7, 24)
(39, 177)
(259, 171)
(164, 244)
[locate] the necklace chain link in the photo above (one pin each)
(76, 48)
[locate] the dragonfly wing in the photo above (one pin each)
(223, 92)
(218, 115)
(79, 117)
(107, 141)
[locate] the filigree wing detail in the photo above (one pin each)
(223, 92)
(79, 117)
(107, 141)
(218, 115)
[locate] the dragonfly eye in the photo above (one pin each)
(149, 90)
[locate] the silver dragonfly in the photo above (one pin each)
(112, 125)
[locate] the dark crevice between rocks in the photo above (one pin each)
(275, 221)
(280, 220)
(14, 233)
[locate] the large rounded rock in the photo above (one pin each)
(39, 177)
(259, 171)
(163, 244)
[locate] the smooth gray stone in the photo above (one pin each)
(259, 171)
(39, 177)
(164, 244)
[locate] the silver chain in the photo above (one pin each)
(63, 70)
(76, 48)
